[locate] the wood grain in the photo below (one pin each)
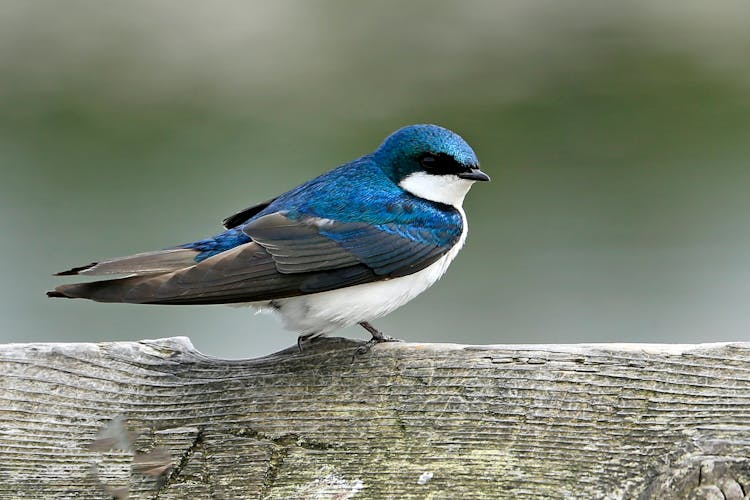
(156, 419)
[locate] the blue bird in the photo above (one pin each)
(346, 247)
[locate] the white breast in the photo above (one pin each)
(321, 313)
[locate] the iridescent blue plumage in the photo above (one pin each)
(215, 245)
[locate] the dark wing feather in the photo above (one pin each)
(244, 215)
(297, 245)
(248, 274)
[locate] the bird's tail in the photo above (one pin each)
(116, 290)
(160, 261)
(142, 267)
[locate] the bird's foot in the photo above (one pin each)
(377, 338)
(306, 339)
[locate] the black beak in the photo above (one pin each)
(474, 175)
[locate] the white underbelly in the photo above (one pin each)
(324, 312)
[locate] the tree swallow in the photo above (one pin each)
(346, 247)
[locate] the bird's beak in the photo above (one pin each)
(474, 175)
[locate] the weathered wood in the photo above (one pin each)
(404, 421)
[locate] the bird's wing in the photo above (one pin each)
(307, 244)
(289, 256)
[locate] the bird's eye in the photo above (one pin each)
(428, 161)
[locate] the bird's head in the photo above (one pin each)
(430, 162)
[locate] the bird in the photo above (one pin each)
(344, 248)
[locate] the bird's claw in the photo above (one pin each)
(304, 340)
(367, 346)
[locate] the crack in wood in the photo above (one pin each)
(275, 462)
(181, 464)
(281, 448)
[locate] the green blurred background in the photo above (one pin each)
(617, 136)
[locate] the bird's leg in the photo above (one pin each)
(377, 338)
(376, 334)
(304, 338)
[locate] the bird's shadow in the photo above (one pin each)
(320, 345)
(180, 351)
